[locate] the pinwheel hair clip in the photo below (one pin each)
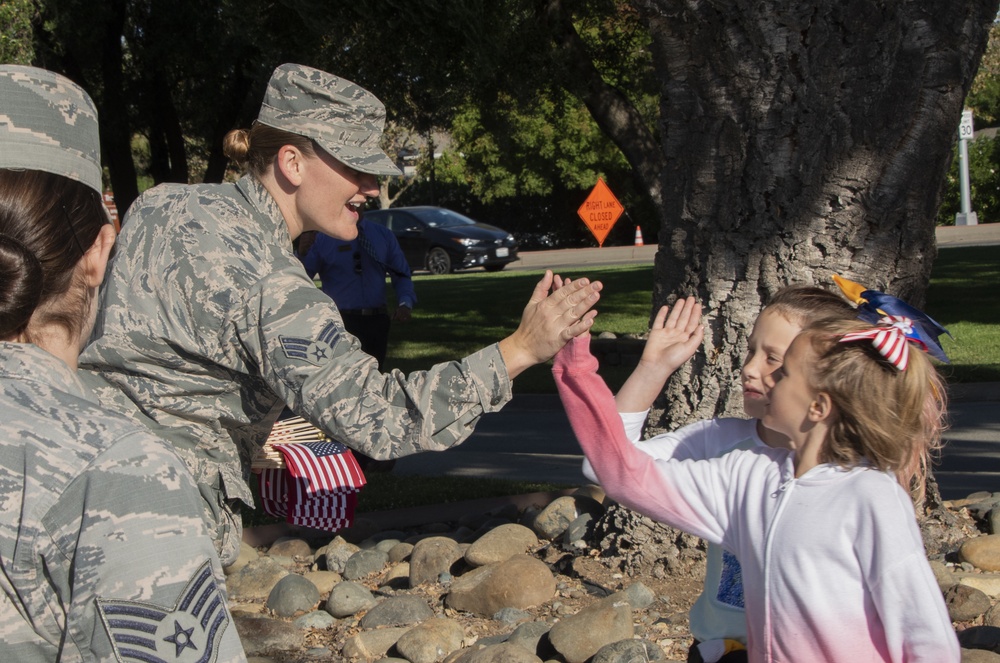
(876, 307)
(892, 339)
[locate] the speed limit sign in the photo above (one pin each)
(965, 127)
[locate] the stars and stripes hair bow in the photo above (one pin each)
(892, 340)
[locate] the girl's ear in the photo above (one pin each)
(291, 164)
(821, 408)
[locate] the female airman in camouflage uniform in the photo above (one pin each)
(210, 324)
(104, 554)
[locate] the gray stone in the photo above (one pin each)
(532, 636)
(318, 619)
(397, 611)
(292, 594)
(369, 645)
(519, 582)
(431, 641)
(965, 603)
(290, 547)
(255, 580)
(501, 543)
(580, 529)
(325, 581)
(580, 636)
(502, 653)
(629, 651)
(364, 563)
(338, 552)
(400, 552)
(637, 595)
(555, 518)
(979, 656)
(349, 598)
(385, 545)
(247, 554)
(431, 557)
(261, 635)
(511, 616)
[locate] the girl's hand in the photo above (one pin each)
(674, 336)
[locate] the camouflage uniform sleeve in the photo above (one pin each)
(144, 576)
(307, 357)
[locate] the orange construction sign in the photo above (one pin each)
(600, 211)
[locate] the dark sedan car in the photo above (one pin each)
(440, 240)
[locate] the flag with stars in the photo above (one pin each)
(317, 488)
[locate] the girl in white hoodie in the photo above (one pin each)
(833, 564)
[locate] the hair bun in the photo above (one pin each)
(20, 286)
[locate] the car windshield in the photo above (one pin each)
(443, 218)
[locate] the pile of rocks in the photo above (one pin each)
(535, 584)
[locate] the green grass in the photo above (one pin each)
(964, 296)
(458, 314)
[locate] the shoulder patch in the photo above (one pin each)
(315, 351)
(190, 631)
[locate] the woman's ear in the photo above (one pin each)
(291, 163)
(821, 408)
(95, 260)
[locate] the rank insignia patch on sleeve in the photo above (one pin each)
(315, 351)
(189, 632)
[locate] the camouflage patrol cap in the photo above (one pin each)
(48, 123)
(342, 117)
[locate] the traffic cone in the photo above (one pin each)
(638, 236)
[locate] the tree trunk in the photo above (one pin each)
(116, 131)
(800, 140)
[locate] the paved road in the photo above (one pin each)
(530, 438)
(579, 259)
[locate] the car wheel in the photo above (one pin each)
(438, 261)
(494, 268)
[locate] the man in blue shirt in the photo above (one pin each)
(353, 275)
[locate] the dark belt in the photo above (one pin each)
(381, 310)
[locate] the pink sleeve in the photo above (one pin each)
(684, 494)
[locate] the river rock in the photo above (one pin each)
(372, 644)
(247, 554)
(292, 594)
(501, 543)
(364, 563)
(519, 582)
(400, 552)
(431, 557)
(629, 651)
(965, 603)
(555, 518)
(349, 598)
(318, 619)
(337, 553)
(397, 611)
(260, 635)
(290, 547)
(431, 640)
(255, 580)
(325, 581)
(533, 636)
(983, 552)
(580, 636)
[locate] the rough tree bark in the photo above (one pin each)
(801, 140)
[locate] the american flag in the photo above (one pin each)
(317, 488)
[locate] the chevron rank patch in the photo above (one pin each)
(188, 632)
(317, 352)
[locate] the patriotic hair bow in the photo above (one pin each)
(892, 340)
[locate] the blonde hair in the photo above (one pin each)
(255, 150)
(893, 419)
(805, 304)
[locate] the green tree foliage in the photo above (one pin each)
(984, 183)
(16, 45)
(984, 97)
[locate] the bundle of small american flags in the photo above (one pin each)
(307, 478)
